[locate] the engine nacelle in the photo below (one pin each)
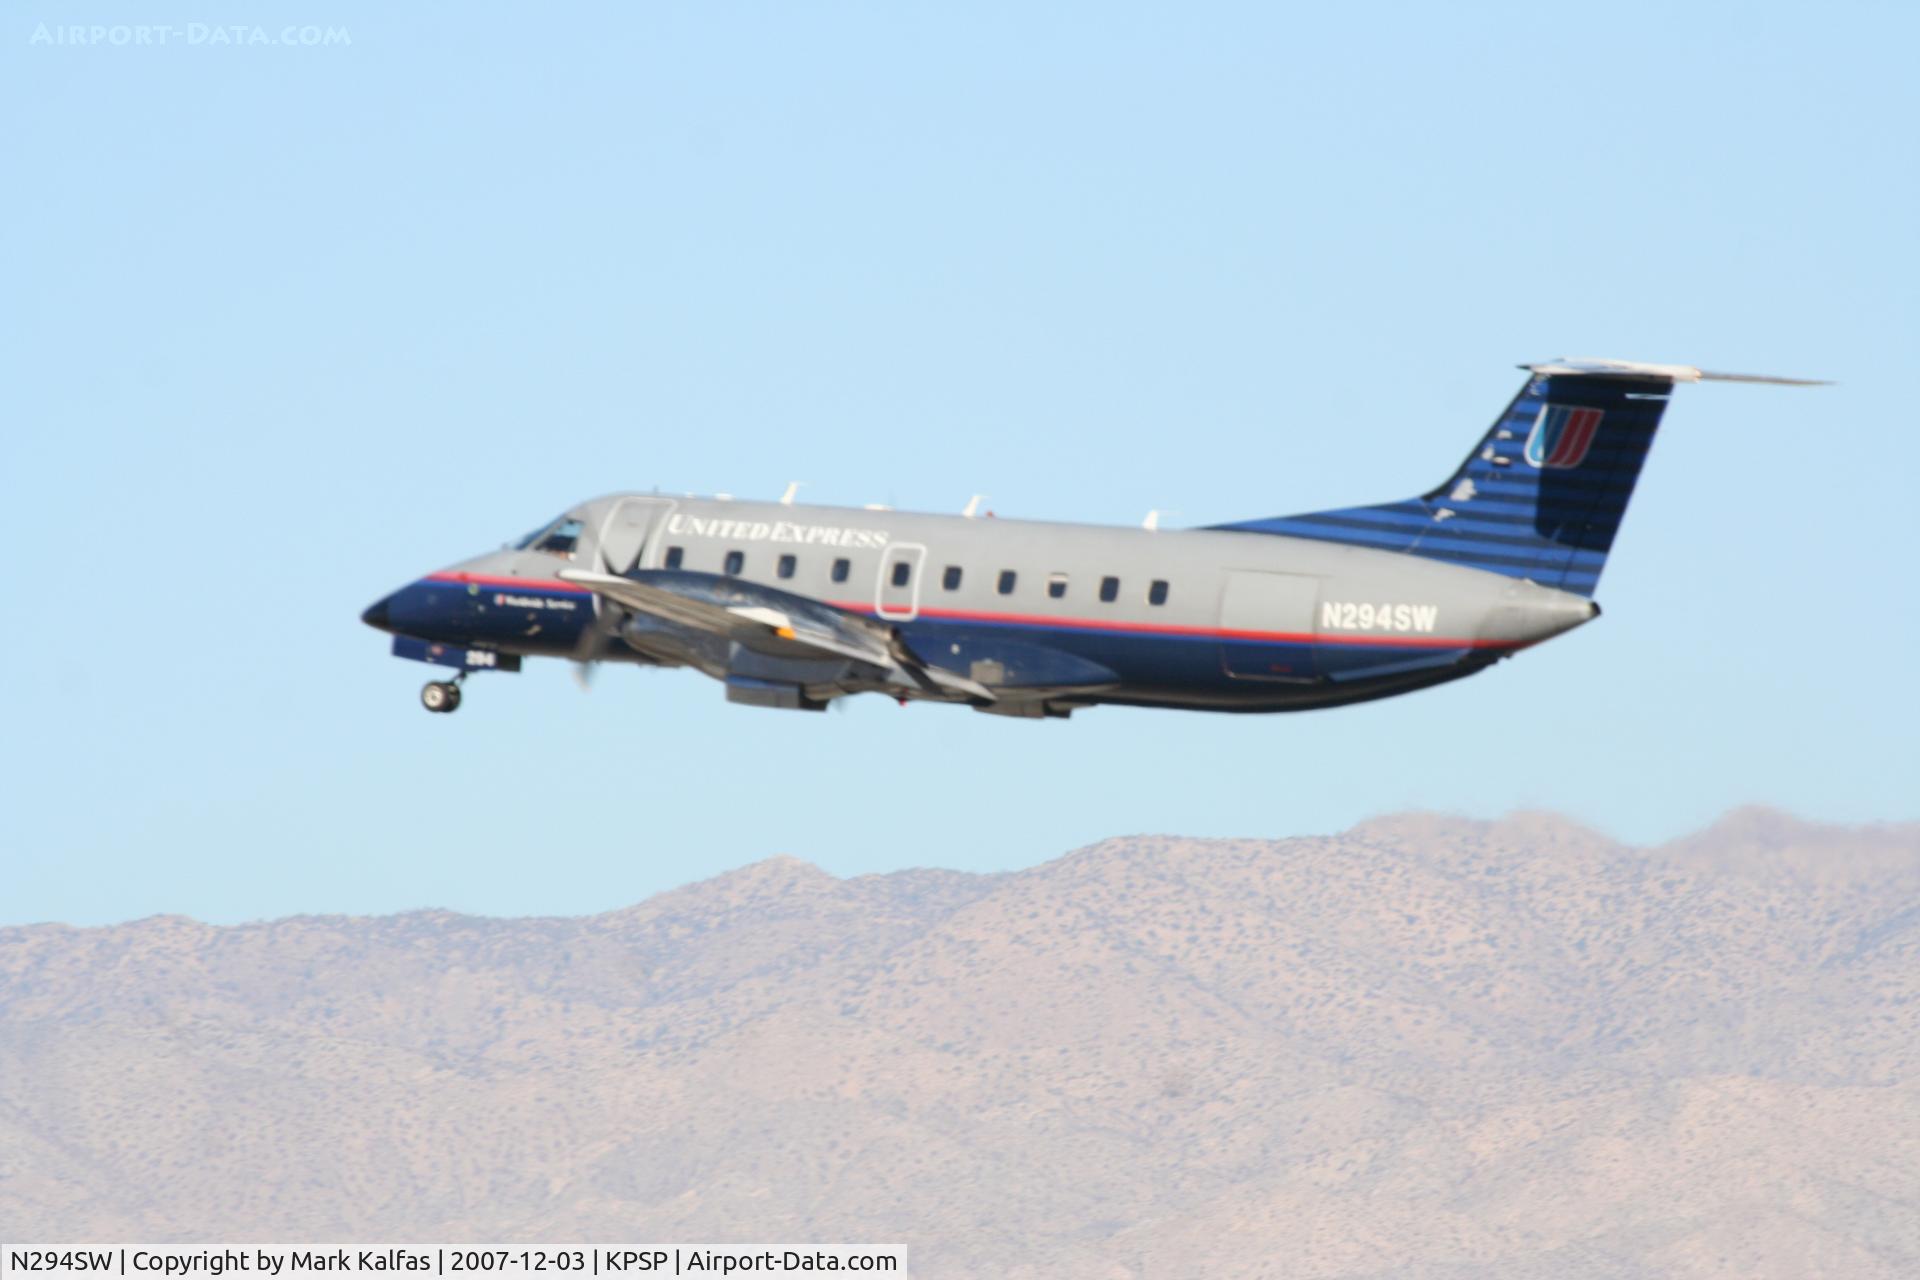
(752, 692)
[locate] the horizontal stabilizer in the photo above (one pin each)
(1591, 367)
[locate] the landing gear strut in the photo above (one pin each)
(442, 695)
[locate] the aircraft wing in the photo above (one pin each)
(767, 620)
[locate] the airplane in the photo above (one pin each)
(795, 606)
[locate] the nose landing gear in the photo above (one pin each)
(442, 696)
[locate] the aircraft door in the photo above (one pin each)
(1266, 624)
(897, 592)
(624, 533)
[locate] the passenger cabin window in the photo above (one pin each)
(1057, 586)
(674, 556)
(902, 572)
(950, 580)
(1157, 593)
(1109, 590)
(787, 565)
(1007, 579)
(841, 568)
(736, 561)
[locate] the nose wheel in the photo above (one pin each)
(441, 696)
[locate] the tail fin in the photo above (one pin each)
(1543, 495)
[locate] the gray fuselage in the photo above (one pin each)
(1048, 616)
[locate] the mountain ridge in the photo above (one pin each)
(1426, 1046)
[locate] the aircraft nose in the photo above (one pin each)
(376, 614)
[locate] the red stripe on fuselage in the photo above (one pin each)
(520, 584)
(1176, 629)
(1047, 620)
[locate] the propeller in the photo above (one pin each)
(595, 638)
(599, 632)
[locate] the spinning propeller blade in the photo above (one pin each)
(595, 638)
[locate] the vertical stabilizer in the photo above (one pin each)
(1543, 494)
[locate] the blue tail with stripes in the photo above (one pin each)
(1541, 498)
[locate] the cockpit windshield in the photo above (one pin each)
(558, 538)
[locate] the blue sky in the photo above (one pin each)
(288, 326)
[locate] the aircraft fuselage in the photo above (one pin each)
(1047, 616)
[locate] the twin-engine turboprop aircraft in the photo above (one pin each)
(794, 606)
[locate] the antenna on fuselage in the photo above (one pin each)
(793, 487)
(973, 505)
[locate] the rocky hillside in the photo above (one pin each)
(1428, 1047)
